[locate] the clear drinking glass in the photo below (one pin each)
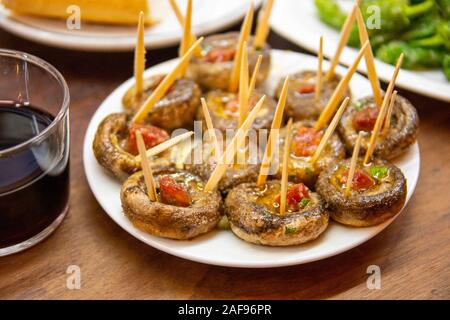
(34, 150)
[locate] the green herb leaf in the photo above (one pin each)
(290, 230)
(378, 172)
(267, 214)
(357, 105)
(304, 202)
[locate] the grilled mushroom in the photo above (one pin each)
(305, 140)
(224, 109)
(253, 213)
(175, 110)
(183, 211)
(213, 69)
(378, 192)
(362, 116)
(300, 101)
(114, 149)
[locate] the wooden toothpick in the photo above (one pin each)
(243, 37)
(165, 84)
(252, 85)
(353, 162)
(272, 142)
(139, 56)
(343, 39)
(329, 109)
(387, 122)
(318, 88)
(330, 130)
(370, 62)
(262, 29)
(165, 145)
(243, 87)
(211, 130)
(237, 141)
(146, 168)
(284, 170)
(382, 113)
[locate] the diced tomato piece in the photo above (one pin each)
(361, 180)
(220, 55)
(306, 88)
(294, 196)
(173, 193)
(152, 136)
(365, 119)
(305, 141)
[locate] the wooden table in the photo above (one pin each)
(413, 253)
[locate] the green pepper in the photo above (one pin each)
(446, 66)
(425, 27)
(444, 7)
(330, 13)
(440, 39)
(415, 57)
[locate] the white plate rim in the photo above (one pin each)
(121, 43)
(90, 175)
(409, 80)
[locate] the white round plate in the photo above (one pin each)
(221, 247)
(298, 22)
(208, 16)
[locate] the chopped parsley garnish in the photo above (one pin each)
(291, 230)
(304, 202)
(378, 172)
(357, 105)
(308, 170)
(267, 214)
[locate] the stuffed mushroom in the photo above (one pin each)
(175, 110)
(378, 192)
(300, 101)
(224, 110)
(253, 214)
(304, 142)
(183, 210)
(212, 70)
(402, 133)
(115, 146)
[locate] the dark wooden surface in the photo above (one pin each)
(413, 253)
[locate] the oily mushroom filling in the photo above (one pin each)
(179, 189)
(125, 138)
(298, 197)
(365, 117)
(305, 141)
(222, 50)
(216, 54)
(226, 105)
(368, 179)
(306, 85)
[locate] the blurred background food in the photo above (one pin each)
(98, 11)
(418, 28)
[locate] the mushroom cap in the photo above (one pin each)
(255, 223)
(166, 220)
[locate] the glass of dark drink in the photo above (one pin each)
(34, 150)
